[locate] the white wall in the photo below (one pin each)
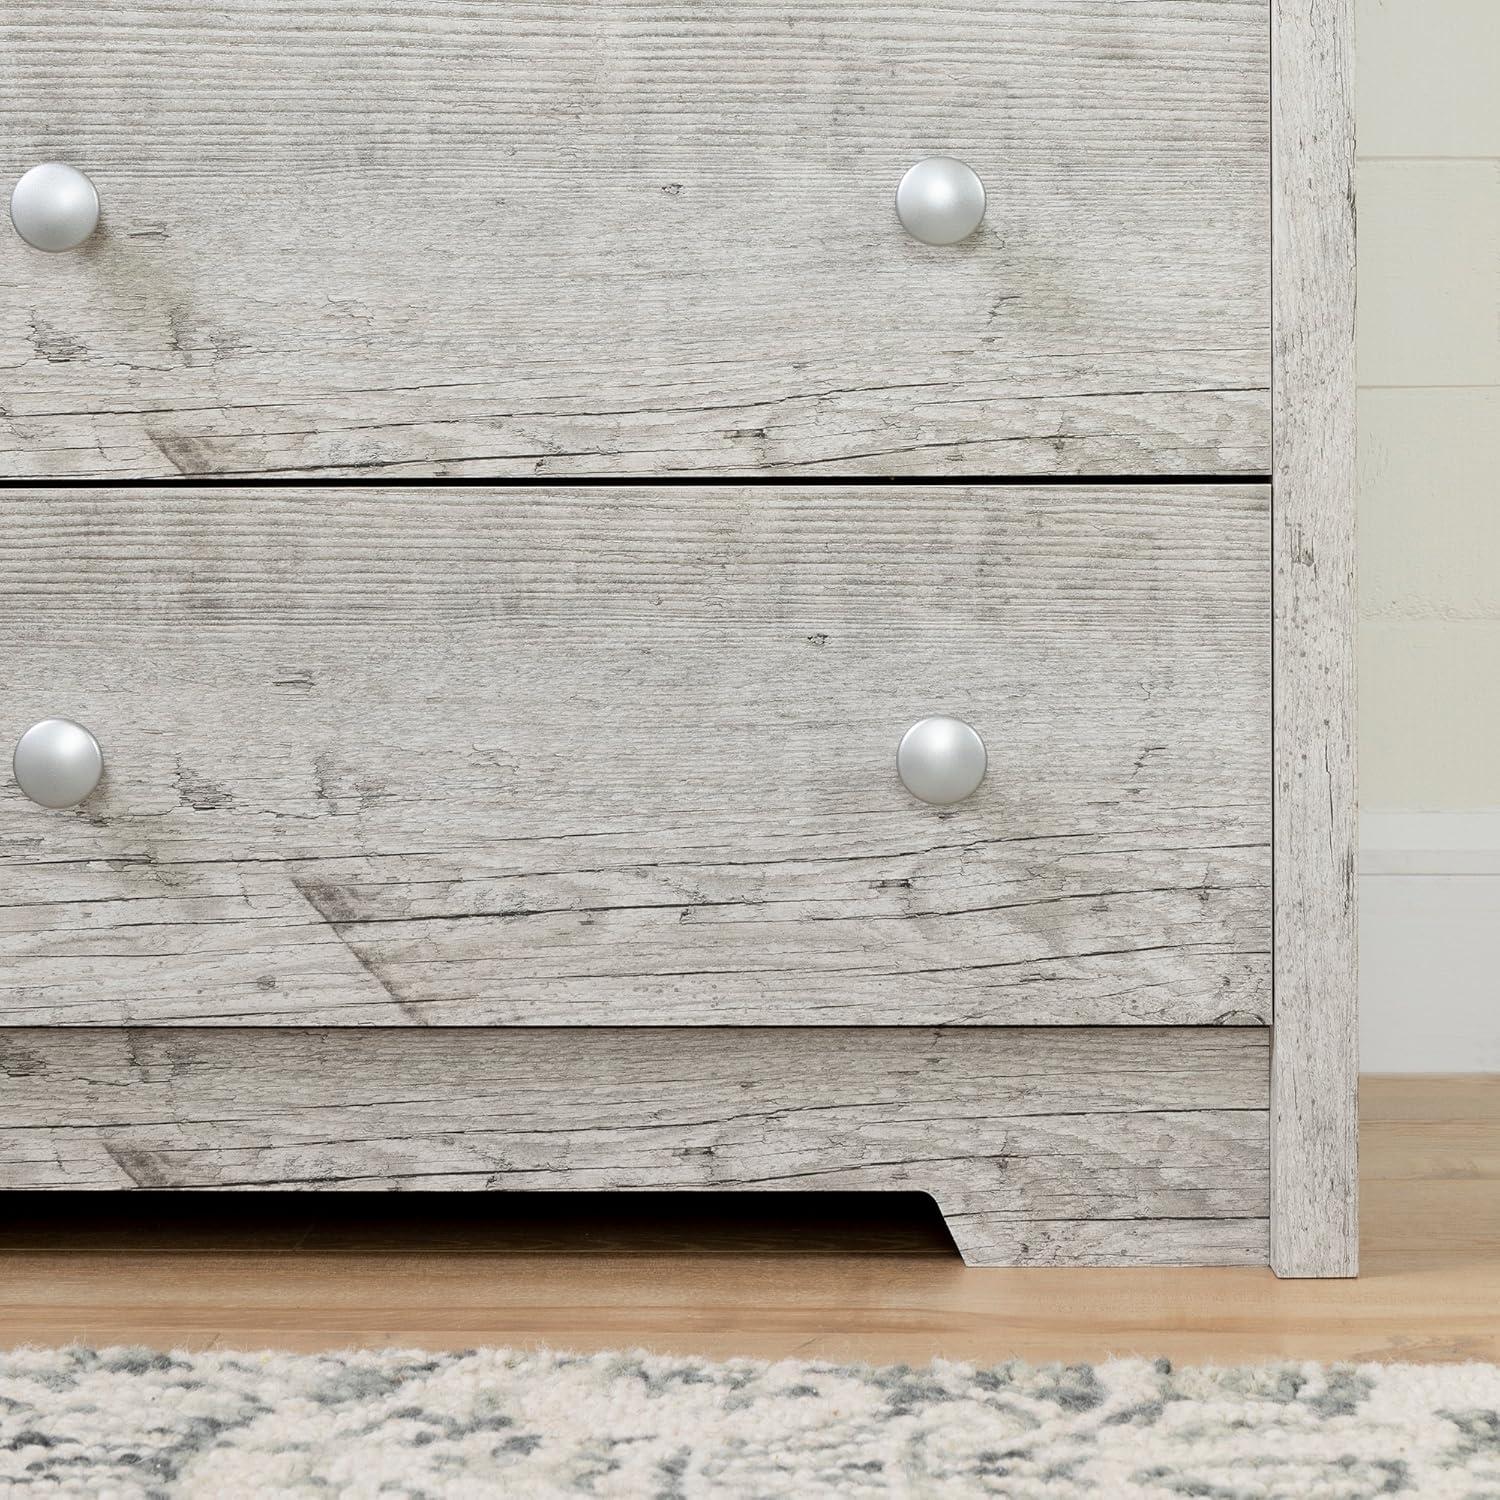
(1429, 519)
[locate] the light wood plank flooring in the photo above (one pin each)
(851, 1277)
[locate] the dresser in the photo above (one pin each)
(612, 595)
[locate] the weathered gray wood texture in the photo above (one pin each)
(1052, 1146)
(599, 236)
(627, 756)
(1315, 1203)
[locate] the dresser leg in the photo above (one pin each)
(990, 1238)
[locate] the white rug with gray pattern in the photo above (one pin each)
(124, 1423)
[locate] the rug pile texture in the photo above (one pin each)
(133, 1423)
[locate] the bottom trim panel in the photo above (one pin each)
(1042, 1146)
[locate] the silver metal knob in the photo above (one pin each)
(54, 207)
(58, 763)
(941, 760)
(940, 201)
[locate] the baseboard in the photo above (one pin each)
(1430, 942)
(1041, 1146)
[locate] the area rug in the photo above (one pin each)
(133, 1423)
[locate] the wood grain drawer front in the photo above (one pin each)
(1057, 1147)
(634, 237)
(627, 756)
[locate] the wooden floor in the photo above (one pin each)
(817, 1276)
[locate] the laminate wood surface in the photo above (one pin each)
(781, 1275)
(1050, 1146)
(627, 756)
(563, 236)
(1314, 1150)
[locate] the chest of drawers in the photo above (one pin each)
(615, 663)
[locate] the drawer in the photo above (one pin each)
(629, 237)
(628, 756)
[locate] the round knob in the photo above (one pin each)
(58, 763)
(941, 760)
(940, 200)
(54, 207)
